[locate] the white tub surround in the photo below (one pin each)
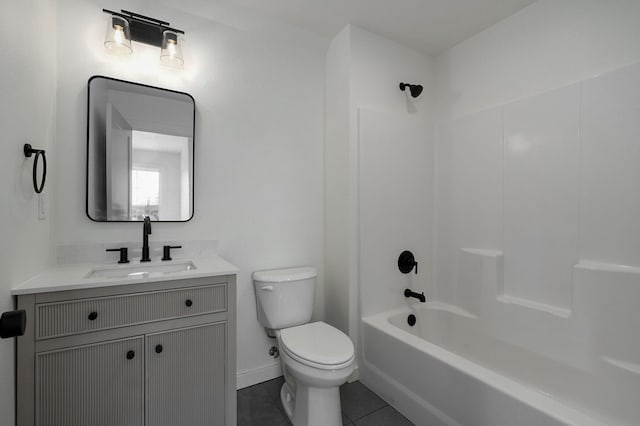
(511, 361)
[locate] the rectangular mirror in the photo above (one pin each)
(139, 152)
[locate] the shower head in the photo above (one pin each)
(415, 89)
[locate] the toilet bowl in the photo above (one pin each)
(316, 357)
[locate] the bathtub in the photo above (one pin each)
(448, 370)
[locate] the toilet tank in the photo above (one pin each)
(284, 297)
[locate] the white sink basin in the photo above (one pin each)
(141, 270)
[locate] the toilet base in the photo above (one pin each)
(288, 400)
(312, 406)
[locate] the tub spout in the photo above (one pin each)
(419, 296)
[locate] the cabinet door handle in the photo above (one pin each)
(188, 302)
(92, 316)
(158, 349)
(131, 354)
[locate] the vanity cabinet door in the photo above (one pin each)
(92, 385)
(186, 376)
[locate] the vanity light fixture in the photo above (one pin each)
(125, 26)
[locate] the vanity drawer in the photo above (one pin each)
(85, 315)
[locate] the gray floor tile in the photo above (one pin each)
(257, 408)
(358, 401)
(260, 405)
(273, 387)
(386, 416)
(345, 420)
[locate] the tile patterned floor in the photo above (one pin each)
(260, 405)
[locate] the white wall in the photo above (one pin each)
(337, 237)
(364, 71)
(259, 145)
(378, 65)
(27, 114)
(396, 207)
(544, 46)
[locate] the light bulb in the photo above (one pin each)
(118, 34)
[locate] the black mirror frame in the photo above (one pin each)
(193, 149)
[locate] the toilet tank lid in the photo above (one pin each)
(283, 275)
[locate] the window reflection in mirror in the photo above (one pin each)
(140, 152)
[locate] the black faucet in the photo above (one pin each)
(419, 296)
(146, 230)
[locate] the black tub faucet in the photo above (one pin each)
(146, 230)
(419, 296)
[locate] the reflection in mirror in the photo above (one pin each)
(140, 152)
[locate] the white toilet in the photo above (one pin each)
(316, 357)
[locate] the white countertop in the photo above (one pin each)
(74, 276)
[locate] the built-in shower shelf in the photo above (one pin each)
(531, 304)
(483, 252)
(631, 367)
(608, 267)
(595, 286)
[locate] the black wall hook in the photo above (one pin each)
(406, 262)
(415, 89)
(28, 152)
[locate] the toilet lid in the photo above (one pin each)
(317, 342)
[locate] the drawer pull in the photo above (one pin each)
(188, 302)
(131, 354)
(158, 349)
(92, 316)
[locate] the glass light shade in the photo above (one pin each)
(171, 49)
(118, 37)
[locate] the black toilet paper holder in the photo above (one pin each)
(13, 323)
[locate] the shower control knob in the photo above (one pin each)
(406, 262)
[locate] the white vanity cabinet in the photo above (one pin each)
(145, 354)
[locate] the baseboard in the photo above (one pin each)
(258, 375)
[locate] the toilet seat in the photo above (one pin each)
(317, 345)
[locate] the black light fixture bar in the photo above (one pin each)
(145, 18)
(143, 28)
